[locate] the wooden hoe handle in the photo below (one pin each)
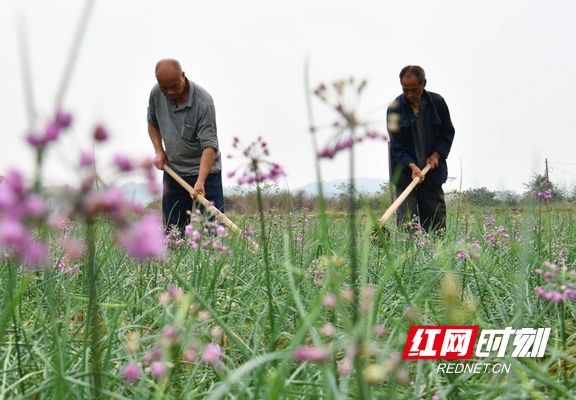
(394, 206)
(210, 207)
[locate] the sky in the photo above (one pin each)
(505, 69)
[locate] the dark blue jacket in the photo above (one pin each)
(440, 132)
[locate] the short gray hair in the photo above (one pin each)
(415, 70)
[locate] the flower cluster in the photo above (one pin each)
(349, 128)
(175, 340)
(546, 195)
(258, 169)
(52, 131)
(21, 211)
(467, 250)
(334, 344)
(200, 233)
(497, 238)
(557, 285)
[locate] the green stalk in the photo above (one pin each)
(267, 274)
(321, 200)
(92, 341)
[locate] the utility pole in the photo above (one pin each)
(546, 171)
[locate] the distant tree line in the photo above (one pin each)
(540, 188)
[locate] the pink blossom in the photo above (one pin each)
(330, 301)
(328, 330)
(100, 133)
(12, 232)
(158, 369)
(190, 355)
(131, 372)
(311, 354)
(123, 163)
(212, 354)
(152, 356)
(144, 238)
(220, 230)
(35, 253)
(63, 118)
(86, 158)
(169, 332)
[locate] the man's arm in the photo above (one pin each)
(206, 162)
(160, 157)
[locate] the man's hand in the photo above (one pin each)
(198, 189)
(159, 160)
(416, 172)
(433, 160)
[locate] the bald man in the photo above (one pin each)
(182, 128)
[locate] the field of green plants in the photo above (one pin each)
(108, 308)
(97, 302)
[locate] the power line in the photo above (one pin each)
(561, 170)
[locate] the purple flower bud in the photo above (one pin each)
(143, 239)
(311, 354)
(158, 369)
(52, 132)
(152, 356)
(190, 355)
(35, 141)
(131, 372)
(100, 133)
(63, 118)
(86, 159)
(123, 163)
(569, 294)
(169, 332)
(330, 301)
(212, 354)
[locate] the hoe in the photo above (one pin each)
(211, 209)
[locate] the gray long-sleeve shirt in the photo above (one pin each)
(187, 130)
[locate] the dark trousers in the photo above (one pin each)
(426, 202)
(176, 200)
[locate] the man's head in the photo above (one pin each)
(413, 80)
(171, 78)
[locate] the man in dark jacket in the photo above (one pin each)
(421, 133)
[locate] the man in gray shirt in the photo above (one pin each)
(182, 127)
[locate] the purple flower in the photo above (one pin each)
(190, 355)
(330, 301)
(52, 131)
(462, 255)
(212, 354)
(258, 169)
(63, 118)
(100, 133)
(158, 369)
(123, 163)
(131, 372)
(152, 356)
(548, 276)
(169, 332)
(86, 159)
(144, 238)
(311, 354)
